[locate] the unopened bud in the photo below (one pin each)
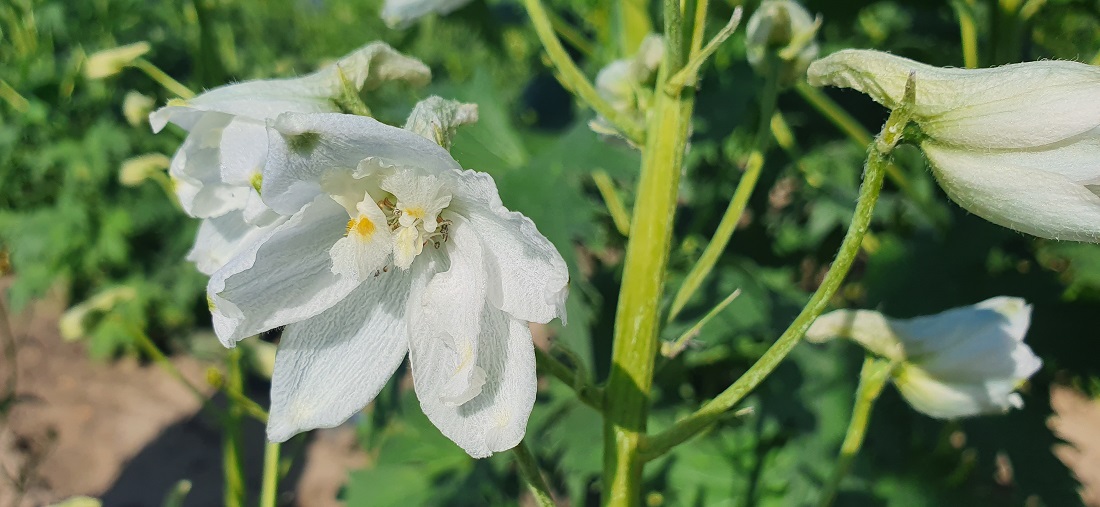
(109, 62)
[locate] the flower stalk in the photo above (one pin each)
(637, 318)
(269, 491)
(231, 443)
(711, 412)
(529, 469)
(571, 76)
(872, 379)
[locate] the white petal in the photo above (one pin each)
(243, 151)
(868, 328)
(283, 277)
(196, 173)
(528, 278)
(450, 311)
(437, 119)
(496, 419)
(953, 400)
(330, 366)
(365, 68)
(401, 13)
(221, 238)
(1019, 105)
(1043, 204)
(1078, 158)
(366, 246)
(304, 147)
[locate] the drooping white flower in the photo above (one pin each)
(217, 170)
(402, 13)
(962, 362)
(627, 84)
(1016, 145)
(390, 250)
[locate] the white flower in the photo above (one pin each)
(962, 362)
(402, 13)
(1016, 145)
(783, 30)
(390, 249)
(217, 170)
(627, 84)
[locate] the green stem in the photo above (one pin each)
(673, 349)
(872, 379)
(847, 124)
(689, 74)
(588, 394)
(968, 31)
(572, 35)
(161, 78)
(633, 25)
(732, 216)
(269, 491)
(231, 443)
(572, 78)
(151, 349)
(635, 344)
(868, 196)
(529, 469)
(619, 215)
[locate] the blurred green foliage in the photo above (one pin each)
(66, 220)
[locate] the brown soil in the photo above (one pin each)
(125, 431)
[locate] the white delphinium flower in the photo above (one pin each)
(216, 172)
(1016, 145)
(390, 249)
(962, 362)
(402, 13)
(781, 33)
(627, 84)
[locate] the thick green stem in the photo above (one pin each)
(872, 379)
(269, 491)
(231, 443)
(572, 78)
(712, 411)
(529, 469)
(637, 318)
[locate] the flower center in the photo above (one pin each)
(414, 214)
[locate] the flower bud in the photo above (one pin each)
(1016, 145)
(627, 84)
(135, 170)
(962, 362)
(108, 62)
(136, 107)
(781, 32)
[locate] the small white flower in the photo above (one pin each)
(776, 28)
(402, 13)
(390, 250)
(217, 171)
(1016, 145)
(627, 84)
(962, 362)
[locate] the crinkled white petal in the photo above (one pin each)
(1013, 106)
(330, 366)
(527, 276)
(220, 238)
(868, 328)
(946, 400)
(496, 419)
(401, 13)
(450, 312)
(304, 147)
(364, 68)
(1040, 203)
(437, 119)
(283, 277)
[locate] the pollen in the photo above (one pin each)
(361, 226)
(417, 212)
